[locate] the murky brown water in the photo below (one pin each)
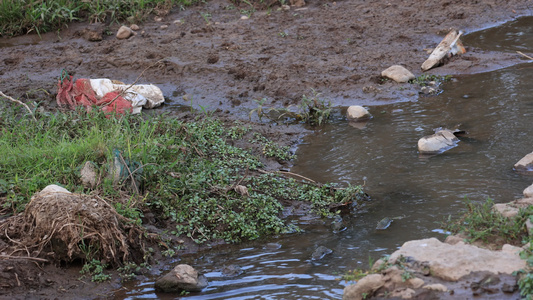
(495, 109)
(513, 36)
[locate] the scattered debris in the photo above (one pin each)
(451, 45)
(107, 94)
(524, 55)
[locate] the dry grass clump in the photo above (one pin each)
(69, 226)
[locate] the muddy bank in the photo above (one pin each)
(335, 48)
(223, 62)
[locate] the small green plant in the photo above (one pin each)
(259, 110)
(95, 269)
(283, 34)
(207, 17)
(425, 79)
(314, 110)
(168, 253)
(271, 149)
(354, 275)
(481, 222)
(130, 270)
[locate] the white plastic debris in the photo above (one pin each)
(141, 95)
(451, 45)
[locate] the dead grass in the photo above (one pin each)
(64, 227)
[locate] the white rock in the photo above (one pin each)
(528, 192)
(285, 7)
(525, 164)
(52, 188)
(441, 141)
(366, 285)
(451, 262)
(134, 27)
(124, 32)
(357, 113)
(163, 27)
(245, 17)
(398, 74)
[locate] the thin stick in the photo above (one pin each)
(2, 256)
(138, 77)
(527, 56)
(19, 102)
(288, 173)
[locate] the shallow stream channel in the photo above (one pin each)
(495, 110)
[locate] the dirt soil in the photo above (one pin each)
(210, 57)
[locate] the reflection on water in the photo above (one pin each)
(515, 35)
(496, 111)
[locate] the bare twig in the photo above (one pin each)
(19, 102)
(287, 173)
(2, 256)
(524, 55)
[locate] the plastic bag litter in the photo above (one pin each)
(104, 93)
(449, 46)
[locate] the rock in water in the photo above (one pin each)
(232, 271)
(320, 252)
(441, 141)
(384, 223)
(398, 74)
(525, 164)
(181, 278)
(357, 113)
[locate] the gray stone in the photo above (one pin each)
(89, 175)
(529, 226)
(93, 32)
(181, 278)
(320, 252)
(124, 32)
(525, 164)
(528, 192)
(365, 286)
(441, 141)
(232, 271)
(451, 262)
(511, 209)
(398, 74)
(357, 113)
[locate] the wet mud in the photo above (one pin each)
(209, 57)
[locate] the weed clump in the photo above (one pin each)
(193, 176)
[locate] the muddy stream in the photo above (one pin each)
(495, 109)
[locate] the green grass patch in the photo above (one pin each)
(184, 171)
(480, 222)
(24, 16)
